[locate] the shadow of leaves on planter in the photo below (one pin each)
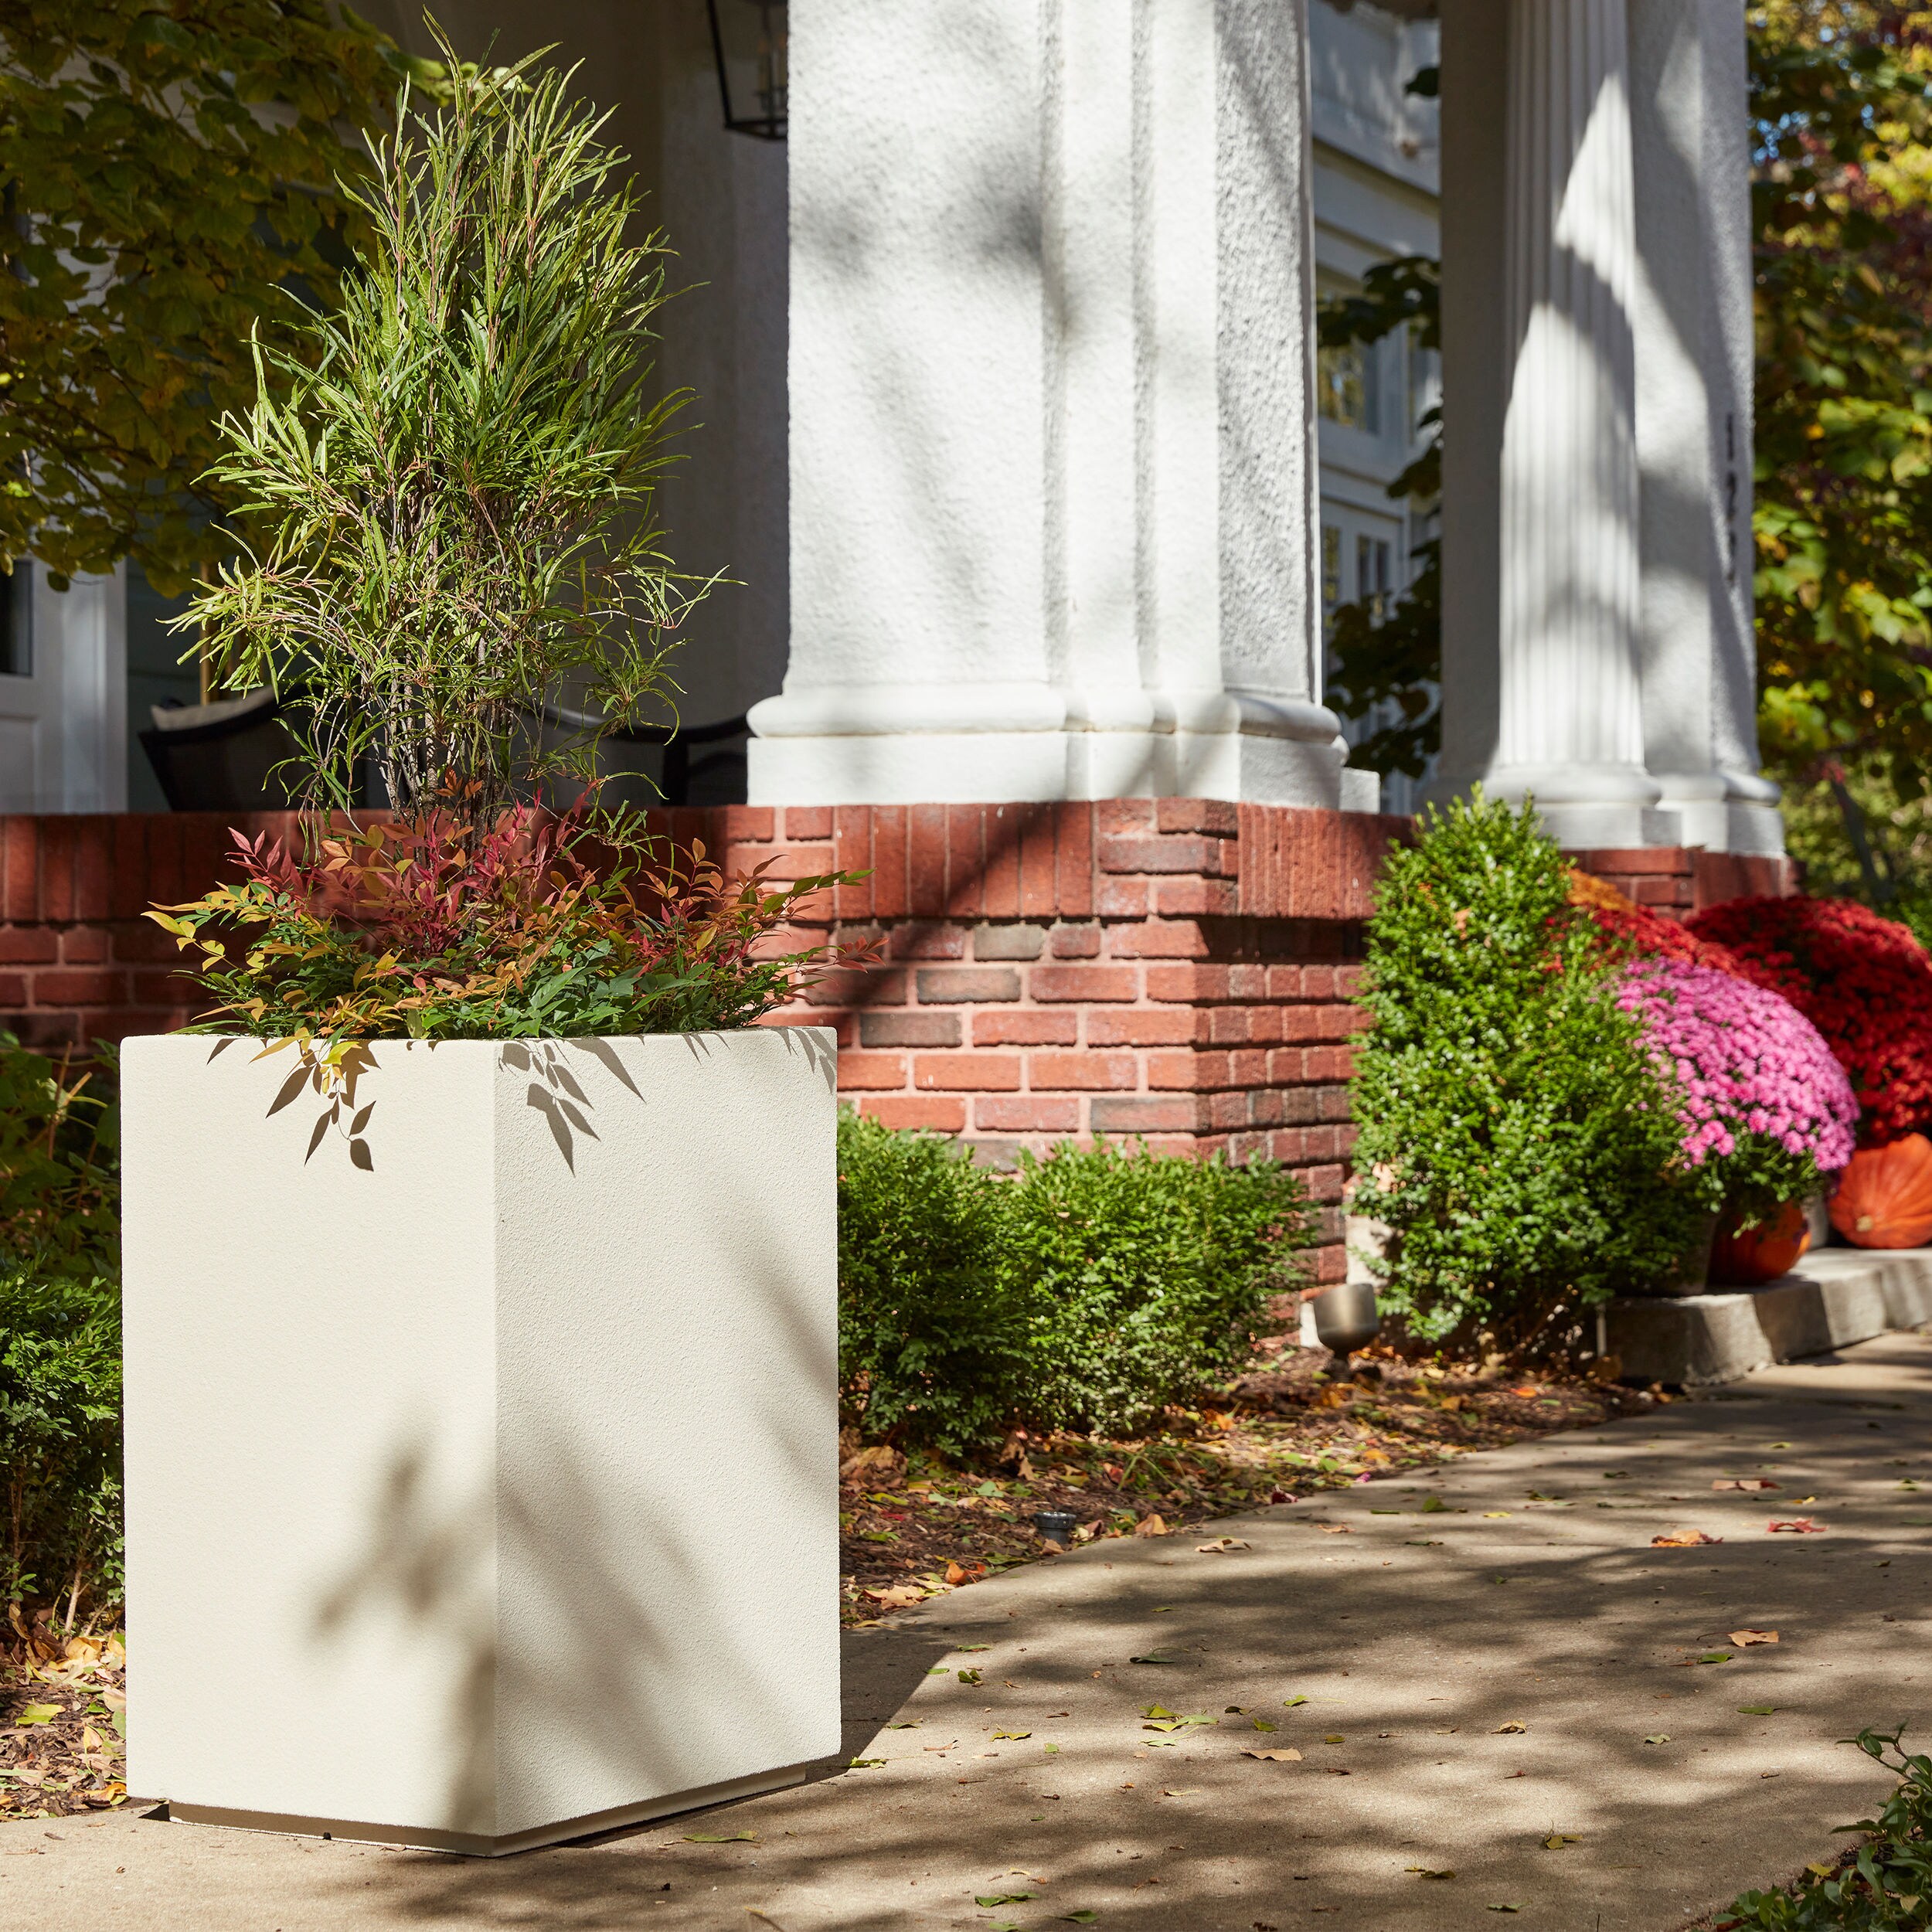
(557, 1093)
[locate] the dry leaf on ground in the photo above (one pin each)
(1744, 1482)
(1683, 1540)
(1334, 1529)
(1513, 1725)
(1745, 1638)
(1276, 1757)
(1151, 1526)
(1221, 1546)
(1799, 1526)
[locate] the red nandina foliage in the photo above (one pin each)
(1864, 981)
(562, 926)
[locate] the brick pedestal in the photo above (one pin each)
(1179, 969)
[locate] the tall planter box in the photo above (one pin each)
(490, 1425)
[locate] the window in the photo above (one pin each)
(1373, 582)
(16, 622)
(1348, 383)
(1330, 575)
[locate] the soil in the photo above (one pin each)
(913, 1529)
(61, 1749)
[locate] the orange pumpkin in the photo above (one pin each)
(1885, 1198)
(1747, 1257)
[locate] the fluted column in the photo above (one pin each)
(1693, 333)
(1570, 728)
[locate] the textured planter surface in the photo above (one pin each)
(500, 1441)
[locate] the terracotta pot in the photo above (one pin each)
(1747, 1257)
(1884, 1198)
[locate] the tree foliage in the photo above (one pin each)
(171, 182)
(1842, 95)
(451, 496)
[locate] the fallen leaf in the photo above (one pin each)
(1221, 1545)
(721, 1838)
(1182, 1791)
(1757, 1710)
(1078, 1918)
(864, 1764)
(1557, 1840)
(1683, 1540)
(1503, 1908)
(968, 1676)
(1513, 1725)
(1276, 1757)
(1262, 1724)
(1006, 1898)
(1334, 1737)
(1014, 1735)
(898, 1596)
(1745, 1638)
(1334, 1529)
(1289, 1703)
(1799, 1526)
(1154, 1657)
(37, 1713)
(1423, 1871)
(1280, 1495)
(1660, 1738)
(957, 1573)
(1745, 1482)
(1151, 1526)
(1494, 1515)
(1712, 1656)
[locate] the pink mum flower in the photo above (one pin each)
(1746, 1059)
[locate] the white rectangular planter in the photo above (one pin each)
(490, 1436)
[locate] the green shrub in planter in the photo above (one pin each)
(931, 1332)
(1146, 1276)
(1514, 1136)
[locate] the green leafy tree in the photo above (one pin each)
(1842, 100)
(170, 172)
(448, 481)
(1515, 1138)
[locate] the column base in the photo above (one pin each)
(1728, 811)
(997, 768)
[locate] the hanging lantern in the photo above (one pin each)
(748, 41)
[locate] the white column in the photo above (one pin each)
(1693, 331)
(1570, 728)
(1539, 273)
(1053, 476)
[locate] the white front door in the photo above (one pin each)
(64, 694)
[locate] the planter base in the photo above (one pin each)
(472, 1844)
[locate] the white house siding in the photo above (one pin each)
(1376, 164)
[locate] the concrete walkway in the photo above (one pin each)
(1501, 1687)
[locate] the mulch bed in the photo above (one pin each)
(911, 1530)
(61, 1719)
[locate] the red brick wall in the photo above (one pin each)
(1181, 969)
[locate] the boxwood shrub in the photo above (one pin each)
(1087, 1291)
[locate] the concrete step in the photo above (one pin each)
(1834, 1297)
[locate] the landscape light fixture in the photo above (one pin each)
(748, 38)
